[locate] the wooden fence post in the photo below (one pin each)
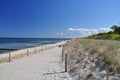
(62, 55)
(107, 74)
(9, 56)
(27, 52)
(35, 50)
(46, 48)
(65, 62)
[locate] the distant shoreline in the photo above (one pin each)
(27, 51)
(11, 44)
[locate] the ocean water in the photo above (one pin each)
(21, 43)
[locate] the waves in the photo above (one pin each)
(21, 43)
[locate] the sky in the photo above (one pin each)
(57, 18)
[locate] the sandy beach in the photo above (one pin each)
(44, 65)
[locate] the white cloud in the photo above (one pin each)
(82, 32)
(60, 34)
(105, 29)
(78, 29)
(71, 29)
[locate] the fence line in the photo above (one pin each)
(25, 52)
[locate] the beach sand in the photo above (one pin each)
(44, 65)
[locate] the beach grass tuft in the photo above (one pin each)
(106, 51)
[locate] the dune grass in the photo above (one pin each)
(107, 51)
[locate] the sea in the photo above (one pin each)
(21, 43)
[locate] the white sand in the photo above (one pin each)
(45, 65)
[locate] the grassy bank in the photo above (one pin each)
(114, 34)
(106, 51)
(105, 36)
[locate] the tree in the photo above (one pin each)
(116, 29)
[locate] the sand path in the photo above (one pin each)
(45, 65)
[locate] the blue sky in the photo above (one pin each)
(57, 18)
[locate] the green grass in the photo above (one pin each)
(105, 36)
